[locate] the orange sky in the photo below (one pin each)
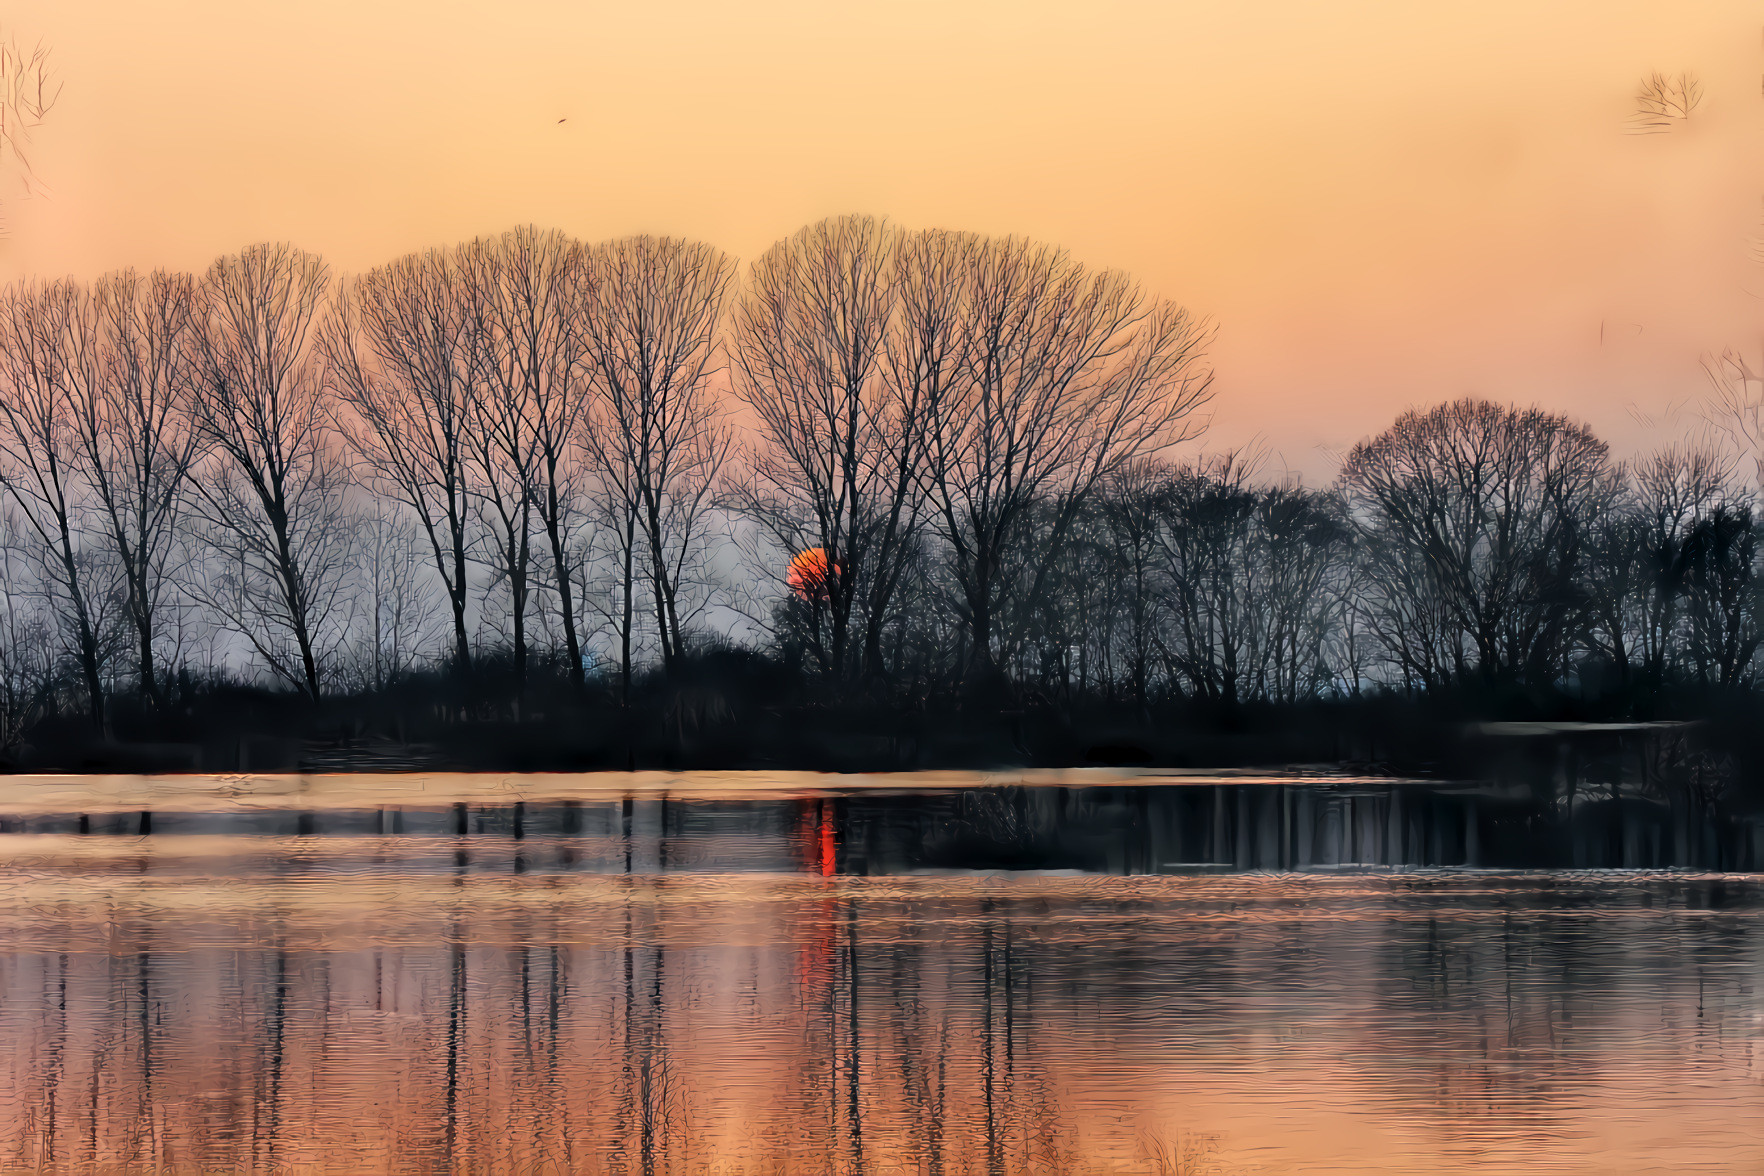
(1382, 202)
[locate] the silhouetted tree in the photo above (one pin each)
(537, 362)
(656, 432)
(1721, 551)
(401, 362)
(394, 605)
(27, 657)
(136, 364)
(839, 440)
(1486, 510)
(1049, 378)
(47, 347)
(503, 446)
(271, 485)
(1638, 562)
(28, 91)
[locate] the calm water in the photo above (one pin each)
(785, 986)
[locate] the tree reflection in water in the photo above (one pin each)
(656, 987)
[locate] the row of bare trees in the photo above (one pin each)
(1471, 546)
(951, 391)
(529, 449)
(531, 443)
(533, 390)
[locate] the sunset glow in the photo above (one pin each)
(1382, 204)
(960, 586)
(807, 575)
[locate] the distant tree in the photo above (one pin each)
(1624, 590)
(1721, 551)
(1301, 546)
(1675, 489)
(1206, 543)
(1129, 513)
(27, 642)
(1661, 102)
(28, 91)
(1486, 511)
(271, 486)
(397, 606)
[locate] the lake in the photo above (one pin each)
(1063, 973)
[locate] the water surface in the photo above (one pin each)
(706, 985)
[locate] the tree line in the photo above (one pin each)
(529, 454)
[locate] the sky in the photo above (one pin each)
(1382, 204)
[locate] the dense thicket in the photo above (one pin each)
(529, 455)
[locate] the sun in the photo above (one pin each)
(808, 574)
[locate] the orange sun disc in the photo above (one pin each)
(809, 573)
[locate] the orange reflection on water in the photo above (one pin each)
(312, 1012)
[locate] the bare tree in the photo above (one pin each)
(537, 365)
(503, 445)
(41, 459)
(615, 504)
(1210, 567)
(840, 440)
(656, 433)
(1130, 518)
(27, 657)
(1662, 102)
(399, 355)
(1056, 377)
(397, 605)
(271, 486)
(1736, 405)
(130, 362)
(1723, 602)
(1487, 511)
(28, 91)
(1647, 554)
(1676, 489)
(1301, 541)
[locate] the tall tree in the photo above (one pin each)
(1129, 517)
(27, 642)
(1056, 376)
(1723, 603)
(502, 442)
(41, 461)
(537, 364)
(656, 432)
(132, 380)
(839, 441)
(1640, 559)
(1209, 562)
(271, 487)
(396, 605)
(400, 357)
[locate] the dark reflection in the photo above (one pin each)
(1138, 829)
